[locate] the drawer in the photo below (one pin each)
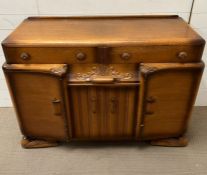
(152, 54)
(122, 54)
(51, 55)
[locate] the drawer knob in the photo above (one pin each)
(24, 56)
(182, 55)
(81, 56)
(125, 56)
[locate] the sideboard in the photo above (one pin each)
(103, 78)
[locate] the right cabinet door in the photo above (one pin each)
(167, 94)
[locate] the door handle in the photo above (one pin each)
(149, 107)
(94, 104)
(102, 79)
(113, 104)
(149, 113)
(56, 106)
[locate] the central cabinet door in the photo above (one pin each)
(103, 111)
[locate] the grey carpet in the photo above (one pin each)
(103, 158)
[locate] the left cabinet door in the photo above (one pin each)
(38, 92)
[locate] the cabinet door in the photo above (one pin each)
(103, 111)
(167, 94)
(38, 96)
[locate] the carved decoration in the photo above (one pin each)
(148, 70)
(102, 70)
(59, 70)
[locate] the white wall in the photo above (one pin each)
(12, 12)
(199, 23)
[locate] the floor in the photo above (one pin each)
(103, 158)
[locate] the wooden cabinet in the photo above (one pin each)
(103, 78)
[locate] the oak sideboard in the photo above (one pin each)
(103, 78)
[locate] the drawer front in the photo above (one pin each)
(50, 55)
(123, 54)
(156, 54)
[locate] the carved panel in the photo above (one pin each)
(118, 72)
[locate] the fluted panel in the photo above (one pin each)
(100, 112)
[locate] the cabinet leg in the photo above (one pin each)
(171, 142)
(33, 143)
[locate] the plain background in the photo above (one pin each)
(12, 12)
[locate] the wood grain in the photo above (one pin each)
(103, 112)
(173, 88)
(104, 78)
(33, 93)
(103, 31)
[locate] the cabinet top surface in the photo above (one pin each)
(92, 31)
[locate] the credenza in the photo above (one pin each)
(103, 78)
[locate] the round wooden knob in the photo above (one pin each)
(125, 56)
(81, 56)
(24, 56)
(182, 55)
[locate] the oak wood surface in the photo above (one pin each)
(168, 94)
(103, 78)
(144, 39)
(117, 72)
(103, 31)
(138, 54)
(103, 112)
(34, 95)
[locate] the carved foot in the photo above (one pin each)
(27, 143)
(170, 142)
